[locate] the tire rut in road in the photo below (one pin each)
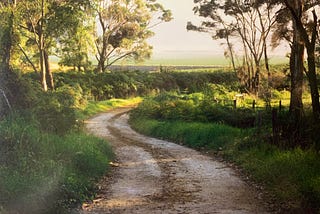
(172, 188)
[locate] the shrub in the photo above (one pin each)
(57, 111)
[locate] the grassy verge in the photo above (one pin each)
(292, 176)
(196, 135)
(44, 171)
(47, 173)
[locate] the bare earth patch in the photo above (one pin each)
(156, 176)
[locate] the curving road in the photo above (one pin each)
(156, 176)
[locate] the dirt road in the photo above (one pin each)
(156, 176)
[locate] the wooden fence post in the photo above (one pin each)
(254, 104)
(234, 104)
(280, 105)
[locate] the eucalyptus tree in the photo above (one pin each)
(33, 22)
(286, 29)
(123, 28)
(303, 15)
(43, 22)
(74, 48)
(249, 22)
(75, 43)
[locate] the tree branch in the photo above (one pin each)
(28, 59)
(120, 57)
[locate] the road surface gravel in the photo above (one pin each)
(156, 176)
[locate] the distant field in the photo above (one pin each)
(213, 61)
(158, 68)
(177, 63)
(184, 64)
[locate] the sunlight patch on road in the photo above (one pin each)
(116, 203)
(137, 163)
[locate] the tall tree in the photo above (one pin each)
(305, 21)
(308, 30)
(43, 22)
(244, 20)
(76, 42)
(123, 28)
(286, 29)
(253, 25)
(33, 22)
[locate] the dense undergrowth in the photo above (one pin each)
(47, 163)
(291, 175)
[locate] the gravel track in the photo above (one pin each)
(156, 176)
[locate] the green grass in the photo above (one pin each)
(43, 172)
(95, 107)
(196, 135)
(293, 176)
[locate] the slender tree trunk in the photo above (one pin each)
(256, 78)
(49, 75)
(266, 62)
(231, 53)
(248, 67)
(42, 64)
(41, 51)
(102, 56)
(104, 46)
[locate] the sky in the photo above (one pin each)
(172, 38)
(173, 41)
